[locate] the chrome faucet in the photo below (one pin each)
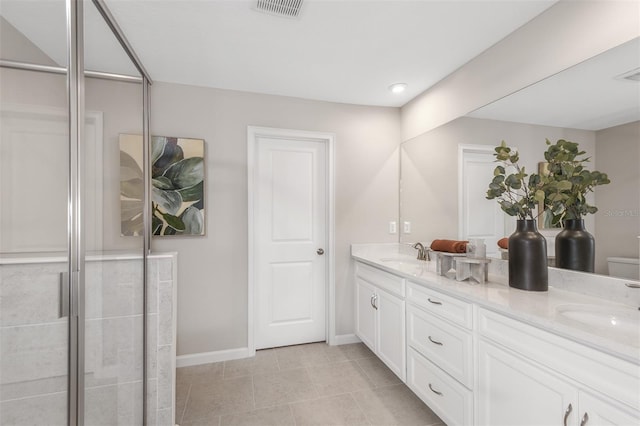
(423, 253)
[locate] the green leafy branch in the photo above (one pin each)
(517, 195)
(568, 182)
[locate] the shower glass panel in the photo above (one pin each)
(114, 268)
(34, 179)
(72, 293)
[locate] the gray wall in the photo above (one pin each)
(618, 216)
(212, 281)
(16, 47)
(212, 289)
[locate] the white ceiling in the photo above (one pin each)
(346, 51)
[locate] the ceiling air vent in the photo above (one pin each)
(633, 75)
(284, 8)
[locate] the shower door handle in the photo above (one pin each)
(63, 310)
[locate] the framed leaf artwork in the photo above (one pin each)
(178, 185)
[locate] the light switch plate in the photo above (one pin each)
(406, 227)
(392, 227)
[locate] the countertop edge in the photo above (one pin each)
(624, 352)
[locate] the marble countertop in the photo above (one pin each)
(558, 311)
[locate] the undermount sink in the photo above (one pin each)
(405, 264)
(623, 320)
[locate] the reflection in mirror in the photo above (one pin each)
(35, 32)
(102, 50)
(595, 103)
(546, 218)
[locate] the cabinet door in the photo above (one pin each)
(600, 413)
(391, 332)
(365, 313)
(513, 391)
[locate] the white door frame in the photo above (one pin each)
(462, 150)
(253, 133)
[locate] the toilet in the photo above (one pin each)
(624, 267)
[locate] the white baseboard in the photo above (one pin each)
(345, 339)
(210, 357)
(239, 353)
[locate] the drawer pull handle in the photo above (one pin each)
(566, 414)
(374, 300)
(440, 393)
(435, 341)
(632, 285)
(434, 302)
(584, 420)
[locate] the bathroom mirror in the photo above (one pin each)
(595, 103)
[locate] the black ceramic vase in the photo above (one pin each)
(528, 258)
(575, 247)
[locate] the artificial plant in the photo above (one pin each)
(517, 192)
(568, 182)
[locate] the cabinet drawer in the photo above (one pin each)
(446, 345)
(447, 307)
(446, 397)
(382, 279)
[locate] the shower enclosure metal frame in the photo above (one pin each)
(76, 74)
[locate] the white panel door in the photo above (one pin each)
(290, 241)
(480, 218)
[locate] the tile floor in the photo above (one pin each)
(313, 384)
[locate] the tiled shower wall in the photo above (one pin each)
(33, 341)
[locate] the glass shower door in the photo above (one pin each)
(34, 179)
(113, 226)
(72, 244)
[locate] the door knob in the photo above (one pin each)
(320, 252)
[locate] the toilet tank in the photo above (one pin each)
(624, 267)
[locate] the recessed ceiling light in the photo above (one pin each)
(398, 87)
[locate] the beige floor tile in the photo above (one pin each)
(378, 372)
(339, 378)
(204, 373)
(395, 405)
(335, 354)
(223, 396)
(282, 387)
(291, 357)
(356, 351)
(334, 410)
(280, 415)
(182, 394)
(208, 421)
(265, 361)
(313, 384)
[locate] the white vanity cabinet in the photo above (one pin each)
(380, 315)
(440, 353)
(476, 360)
(527, 376)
